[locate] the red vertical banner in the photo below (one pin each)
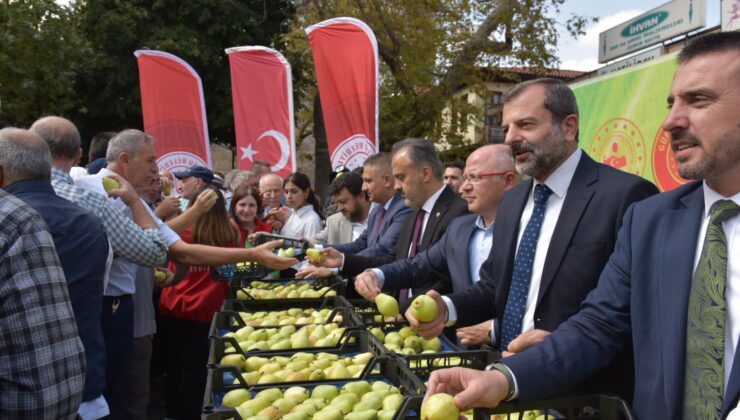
(262, 92)
(345, 55)
(174, 110)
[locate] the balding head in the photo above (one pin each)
(23, 155)
(271, 190)
(489, 173)
(61, 136)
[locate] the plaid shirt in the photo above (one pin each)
(146, 247)
(42, 361)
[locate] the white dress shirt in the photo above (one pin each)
(558, 182)
(304, 222)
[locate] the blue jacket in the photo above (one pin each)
(82, 247)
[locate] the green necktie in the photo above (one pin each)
(705, 330)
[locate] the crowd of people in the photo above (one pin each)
(583, 276)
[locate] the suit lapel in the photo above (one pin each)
(677, 239)
(438, 212)
(579, 194)
(466, 233)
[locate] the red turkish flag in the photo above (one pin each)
(262, 92)
(174, 110)
(345, 55)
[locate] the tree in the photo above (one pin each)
(198, 32)
(39, 49)
(430, 49)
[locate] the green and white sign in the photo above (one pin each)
(664, 22)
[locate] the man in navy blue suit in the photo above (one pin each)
(553, 234)
(673, 282)
(389, 215)
(488, 174)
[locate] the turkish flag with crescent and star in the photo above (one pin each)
(345, 55)
(174, 110)
(262, 92)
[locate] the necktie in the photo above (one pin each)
(704, 375)
(378, 223)
(522, 273)
(415, 239)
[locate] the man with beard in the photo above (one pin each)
(352, 209)
(671, 284)
(553, 235)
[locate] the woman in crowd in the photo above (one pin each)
(246, 204)
(305, 219)
(187, 310)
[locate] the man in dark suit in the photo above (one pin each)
(418, 174)
(488, 174)
(671, 284)
(389, 215)
(553, 233)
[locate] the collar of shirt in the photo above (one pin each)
(559, 181)
(711, 196)
(59, 175)
(480, 224)
(303, 210)
(387, 204)
(30, 186)
(429, 204)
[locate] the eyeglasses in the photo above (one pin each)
(474, 179)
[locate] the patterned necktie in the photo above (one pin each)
(378, 224)
(522, 274)
(704, 376)
(415, 239)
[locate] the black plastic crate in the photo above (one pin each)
(242, 289)
(391, 370)
(424, 364)
(587, 407)
(357, 342)
(369, 314)
(288, 242)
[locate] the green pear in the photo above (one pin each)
(355, 370)
(271, 367)
(326, 356)
(338, 372)
(257, 404)
(406, 332)
(236, 397)
(110, 184)
(260, 418)
(271, 394)
(258, 335)
(314, 255)
(347, 396)
(244, 412)
(362, 358)
(254, 363)
(296, 377)
(281, 345)
(342, 405)
(386, 414)
(250, 377)
(372, 402)
(393, 402)
(297, 365)
(434, 344)
(380, 393)
(269, 378)
(369, 414)
(358, 388)
(328, 414)
(284, 404)
(296, 393)
(387, 305)
(424, 308)
(295, 416)
(439, 407)
(305, 407)
(236, 360)
(413, 342)
(394, 338)
(328, 392)
(271, 412)
(380, 385)
(316, 375)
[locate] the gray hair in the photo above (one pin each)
(421, 152)
(380, 160)
(60, 135)
(24, 155)
(127, 141)
(239, 178)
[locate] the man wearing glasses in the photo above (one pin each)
(554, 233)
(461, 251)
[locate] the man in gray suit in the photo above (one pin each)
(489, 173)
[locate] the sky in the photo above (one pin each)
(582, 53)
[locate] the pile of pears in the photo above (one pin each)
(291, 290)
(406, 342)
(298, 367)
(526, 415)
(285, 337)
(292, 316)
(358, 400)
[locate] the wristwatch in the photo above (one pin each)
(508, 375)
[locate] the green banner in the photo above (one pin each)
(621, 117)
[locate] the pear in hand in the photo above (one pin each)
(387, 305)
(439, 407)
(110, 184)
(424, 308)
